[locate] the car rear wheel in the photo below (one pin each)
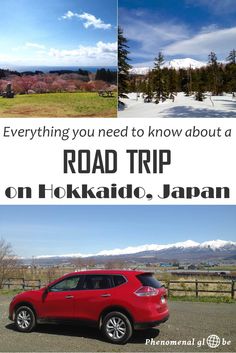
(117, 328)
(25, 320)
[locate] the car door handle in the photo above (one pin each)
(69, 297)
(105, 295)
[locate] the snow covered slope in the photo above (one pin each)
(184, 64)
(139, 70)
(182, 107)
(186, 245)
(175, 63)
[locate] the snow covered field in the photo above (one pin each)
(182, 107)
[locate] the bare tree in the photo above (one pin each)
(8, 262)
(110, 265)
(78, 263)
(51, 273)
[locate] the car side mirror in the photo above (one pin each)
(45, 293)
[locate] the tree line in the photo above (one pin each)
(106, 75)
(102, 74)
(162, 83)
(57, 81)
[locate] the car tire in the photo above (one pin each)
(117, 327)
(25, 319)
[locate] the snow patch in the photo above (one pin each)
(140, 70)
(182, 107)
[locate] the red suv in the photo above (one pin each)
(115, 301)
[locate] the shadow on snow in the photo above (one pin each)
(189, 112)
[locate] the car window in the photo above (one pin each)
(97, 282)
(70, 283)
(118, 280)
(148, 280)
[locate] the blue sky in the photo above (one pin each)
(58, 32)
(55, 230)
(183, 28)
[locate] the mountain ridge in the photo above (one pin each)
(213, 245)
(185, 63)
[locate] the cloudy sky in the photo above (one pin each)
(64, 32)
(183, 28)
(57, 230)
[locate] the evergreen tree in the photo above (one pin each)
(230, 78)
(190, 81)
(141, 86)
(159, 61)
(214, 73)
(123, 65)
(186, 81)
(159, 80)
(212, 59)
(148, 89)
(106, 75)
(133, 84)
(200, 86)
(172, 83)
(162, 83)
(232, 57)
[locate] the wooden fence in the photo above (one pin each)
(22, 283)
(198, 287)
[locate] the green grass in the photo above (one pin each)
(203, 299)
(59, 105)
(10, 291)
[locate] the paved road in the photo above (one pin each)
(188, 321)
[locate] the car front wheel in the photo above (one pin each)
(25, 320)
(117, 328)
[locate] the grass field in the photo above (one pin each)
(204, 299)
(59, 105)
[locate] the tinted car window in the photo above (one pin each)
(70, 283)
(118, 280)
(149, 280)
(97, 282)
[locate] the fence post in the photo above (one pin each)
(9, 286)
(23, 283)
(196, 288)
(168, 286)
(39, 283)
(232, 289)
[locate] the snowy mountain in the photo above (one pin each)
(140, 70)
(187, 246)
(175, 64)
(184, 64)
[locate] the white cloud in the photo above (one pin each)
(100, 54)
(92, 21)
(152, 37)
(69, 15)
(100, 49)
(34, 45)
(210, 28)
(220, 41)
(88, 19)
